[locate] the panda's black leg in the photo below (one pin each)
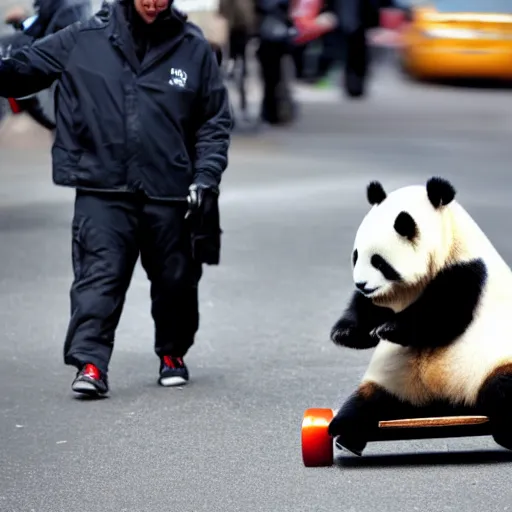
(359, 416)
(495, 401)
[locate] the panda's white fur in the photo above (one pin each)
(454, 373)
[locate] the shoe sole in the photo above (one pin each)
(168, 382)
(86, 388)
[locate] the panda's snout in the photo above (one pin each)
(361, 286)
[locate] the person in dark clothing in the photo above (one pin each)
(143, 131)
(50, 17)
(54, 15)
(276, 33)
(356, 17)
(347, 44)
(241, 18)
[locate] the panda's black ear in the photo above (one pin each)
(406, 226)
(440, 192)
(375, 193)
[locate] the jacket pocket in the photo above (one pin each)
(92, 171)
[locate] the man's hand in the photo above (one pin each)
(194, 197)
(197, 194)
(16, 16)
(204, 223)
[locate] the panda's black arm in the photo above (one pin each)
(444, 310)
(353, 329)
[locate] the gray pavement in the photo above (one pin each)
(230, 441)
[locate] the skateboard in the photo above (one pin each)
(318, 445)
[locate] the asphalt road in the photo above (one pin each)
(230, 441)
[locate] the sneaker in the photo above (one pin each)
(90, 381)
(173, 372)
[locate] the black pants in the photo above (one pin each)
(357, 55)
(108, 233)
(238, 39)
(277, 104)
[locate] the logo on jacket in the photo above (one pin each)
(178, 77)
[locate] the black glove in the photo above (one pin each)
(203, 218)
(196, 194)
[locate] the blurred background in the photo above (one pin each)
(399, 92)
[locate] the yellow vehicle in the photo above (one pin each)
(458, 39)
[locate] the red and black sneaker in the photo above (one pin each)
(173, 372)
(90, 381)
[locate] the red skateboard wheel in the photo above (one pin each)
(317, 444)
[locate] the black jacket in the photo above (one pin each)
(123, 125)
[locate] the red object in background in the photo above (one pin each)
(14, 106)
(311, 25)
(308, 21)
(389, 32)
(391, 19)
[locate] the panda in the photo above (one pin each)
(434, 298)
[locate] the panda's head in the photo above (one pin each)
(403, 241)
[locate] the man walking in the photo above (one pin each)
(143, 122)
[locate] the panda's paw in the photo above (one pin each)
(347, 333)
(341, 333)
(376, 333)
(390, 331)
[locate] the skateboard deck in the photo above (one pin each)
(431, 428)
(317, 444)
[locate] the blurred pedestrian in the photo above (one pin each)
(276, 33)
(241, 18)
(143, 123)
(49, 17)
(346, 44)
(314, 22)
(356, 17)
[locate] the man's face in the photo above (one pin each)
(149, 9)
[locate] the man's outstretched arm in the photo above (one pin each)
(34, 68)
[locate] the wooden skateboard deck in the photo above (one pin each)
(432, 428)
(447, 421)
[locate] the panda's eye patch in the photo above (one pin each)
(354, 257)
(406, 226)
(385, 268)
